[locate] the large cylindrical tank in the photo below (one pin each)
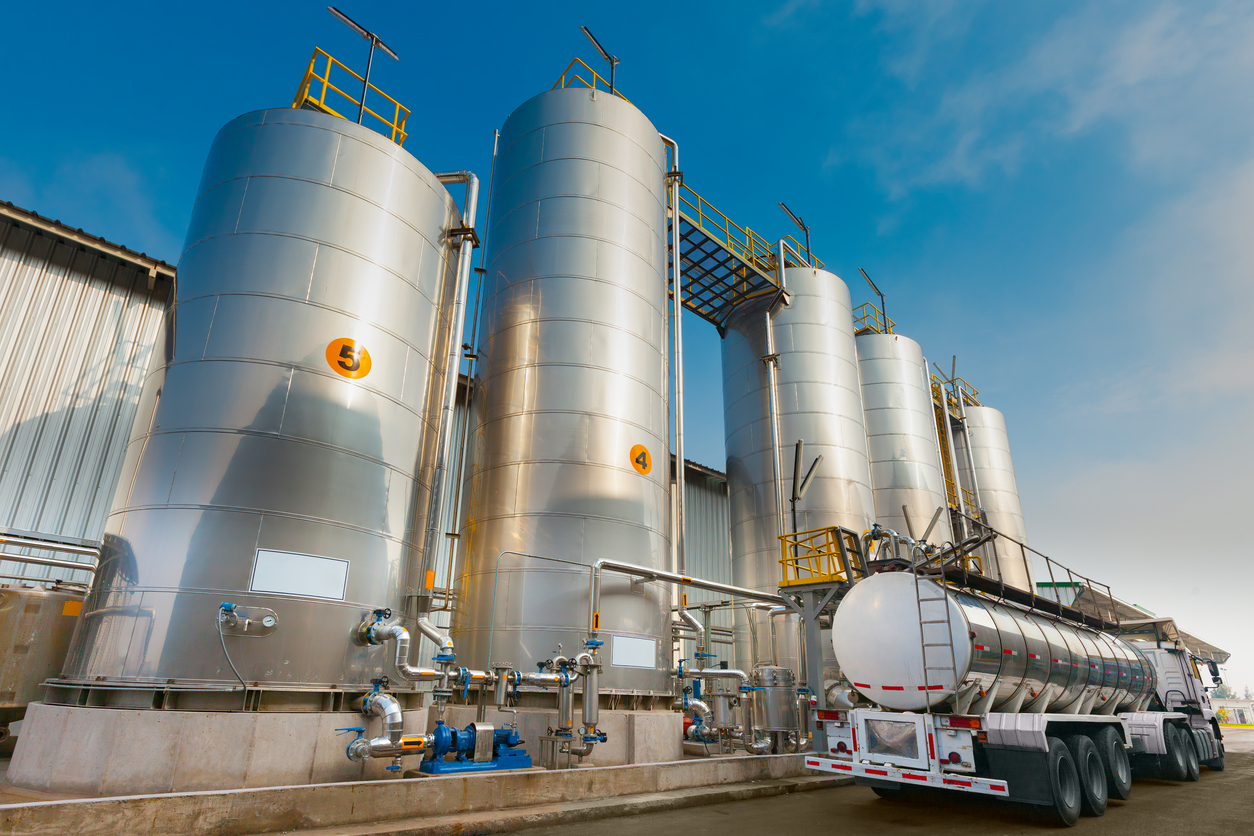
(36, 623)
(282, 452)
(901, 435)
(1020, 660)
(820, 402)
(570, 434)
(998, 491)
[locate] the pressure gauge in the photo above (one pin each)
(268, 621)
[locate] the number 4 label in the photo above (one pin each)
(641, 460)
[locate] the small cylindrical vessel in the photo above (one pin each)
(569, 433)
(994, 481)
(774, 698)
(990, 655)
(901, 436)
(819, 402)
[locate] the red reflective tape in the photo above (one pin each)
(861, 685)
(883, 772)
(1033, 656)
(1094, 667)
(957, 783)
(855, 738)
(893, 687)
(931, 752)
(1010, 652)
(996, 788)
(935, 687)
(980, 647)
(843, 766)
(812, 763)
(1056, 662)
(913, 777)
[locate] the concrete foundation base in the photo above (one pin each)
(110, 751)
(633, 736)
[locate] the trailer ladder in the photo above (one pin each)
(924, 644)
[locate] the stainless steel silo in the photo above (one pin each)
(901, 435)
(570, 437)
(820, 402)
(284, 443)
(994, 481)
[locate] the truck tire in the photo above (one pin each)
(1173, 766)
(891, 793)
(1192, 767)
(1064, 783)
(1092, 774)
(1115, 760)
(1217, 764)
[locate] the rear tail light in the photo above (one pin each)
(954, 757)
(831, 716)
(841, 747)
(964, 722)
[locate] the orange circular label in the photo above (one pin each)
(641, 460)
(348, 357)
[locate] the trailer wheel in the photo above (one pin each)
(892, 793)
(1064, 783)
(1115, 760)
(1189, 741)
(1174, 765)
(1217, 764)
(1092, 774)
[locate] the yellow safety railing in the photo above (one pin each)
(799, 248)
(867, 317)
(742, 242)
(814, 556)
(314, 88)
(574, 75)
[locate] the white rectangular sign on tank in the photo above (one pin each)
(633, 652)
(293, 573)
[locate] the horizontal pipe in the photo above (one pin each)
(47, 561)
(50, 545)
(594, 584)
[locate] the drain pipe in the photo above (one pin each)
(677, 294)
(435, 514)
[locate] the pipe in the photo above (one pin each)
(594, 587)
(435, 514)
(470, 372)
(770, 620)
(705, 717)
(591, 691)
(48, 561)
(691, 620)
(748, 737)
(772, 361)
(408, 672)
(443, 642)
(677, 294)
(388, 745)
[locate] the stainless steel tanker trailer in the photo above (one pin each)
(977, 695)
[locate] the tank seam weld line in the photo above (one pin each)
(232, 509)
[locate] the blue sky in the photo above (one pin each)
(1060, 194)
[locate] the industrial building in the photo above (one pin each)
(274, 506)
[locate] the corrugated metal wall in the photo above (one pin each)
(78, 332)
(708, 548)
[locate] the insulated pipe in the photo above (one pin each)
(441, 640)
(591, 690)
(390, 744)
(771, 359)
(770, 620)
(677, 294)
(691, 620)
(435, 514)
(594, 586)
(47, 561)
(470, 369)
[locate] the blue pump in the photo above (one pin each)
(461, 743)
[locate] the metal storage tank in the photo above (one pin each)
(1003, 658)
(820, 401)
(994, 482)
(570, 434)
(901, 435)
(281, 454)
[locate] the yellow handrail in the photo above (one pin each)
(814, 556)
(306, 97)
(867, 317)
(568, 78)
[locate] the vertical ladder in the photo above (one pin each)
(924, 644)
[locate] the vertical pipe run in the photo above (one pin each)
(677, 296)
(435, 513)
(772, 398)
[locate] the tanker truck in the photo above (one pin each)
(976, 695)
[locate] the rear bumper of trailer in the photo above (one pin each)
(911, 777)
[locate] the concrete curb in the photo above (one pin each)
(477, 824)
(373, 803)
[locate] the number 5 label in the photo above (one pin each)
(348, 358)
